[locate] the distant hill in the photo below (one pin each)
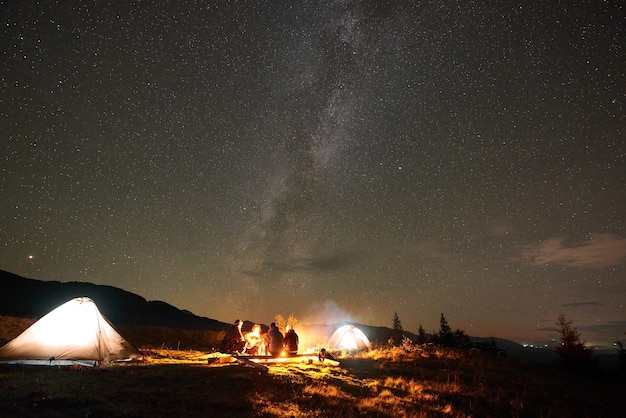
(517, 351)
(29, 298)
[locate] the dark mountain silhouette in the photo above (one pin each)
(29, 298)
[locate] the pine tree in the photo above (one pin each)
(397, 329)
(574, 355)
(397, 324)
(421, 335)
(445, 336)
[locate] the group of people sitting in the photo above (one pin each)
(274, 343)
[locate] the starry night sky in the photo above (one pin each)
(336, 160)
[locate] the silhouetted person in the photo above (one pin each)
(253, 340)
(323, 355)
(291, 341)
(233, 341)
(274, 341)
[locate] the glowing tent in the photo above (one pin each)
(349, 337)
(74, 331)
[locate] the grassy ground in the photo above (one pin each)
(381, 383)
(174, 381)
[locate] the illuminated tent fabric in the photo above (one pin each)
(349, 337)
(74, 331)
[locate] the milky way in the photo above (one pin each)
(335, 160)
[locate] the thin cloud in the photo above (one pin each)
(581, 304)
(329, 263)
(601, 250)
(333, 262)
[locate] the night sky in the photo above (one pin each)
(336, 160)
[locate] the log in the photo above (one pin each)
(247, 362)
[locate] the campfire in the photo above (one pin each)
(252, 346)
(256, 351)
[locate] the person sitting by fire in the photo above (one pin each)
(253, 340)
(274, 341)
(290, 342)
(233, 341)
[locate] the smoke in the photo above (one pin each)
(326, 312)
